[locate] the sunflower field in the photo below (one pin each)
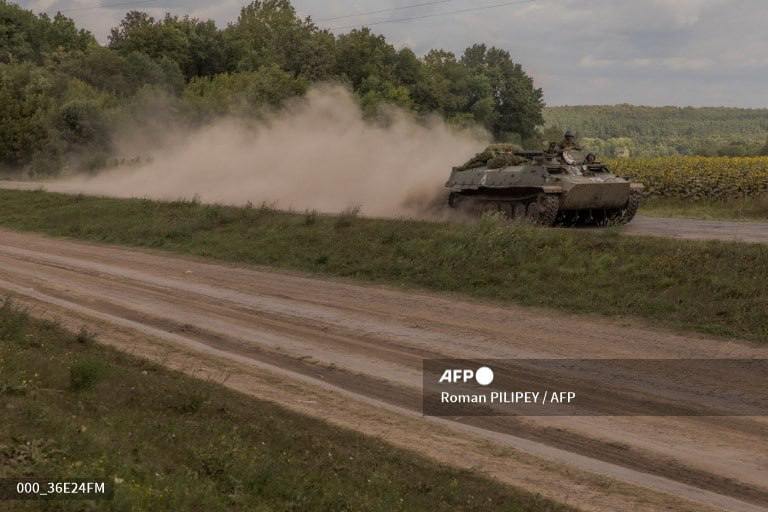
(697, 177)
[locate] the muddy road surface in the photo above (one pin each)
(352, 354)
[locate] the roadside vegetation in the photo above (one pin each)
(75, 409)
(712, 287)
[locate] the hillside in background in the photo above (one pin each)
(618, 130)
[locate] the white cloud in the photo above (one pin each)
(642, 51)
(588, 61)
(41, 5)
(673, 63)
(640, 63)
(684, 63)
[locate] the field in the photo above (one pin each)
(700, 187)
(712, 287)
(73, 408)
(698, 178)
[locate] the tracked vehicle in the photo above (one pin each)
(554, 187)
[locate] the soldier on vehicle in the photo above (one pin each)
(568, 142)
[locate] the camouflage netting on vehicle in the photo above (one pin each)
(494, 156)
(504, 160)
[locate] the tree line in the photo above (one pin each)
(619, 130)
(62, 93)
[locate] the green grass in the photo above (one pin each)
(174, 443)
(751, 209)
(713, 287)
(85, 374)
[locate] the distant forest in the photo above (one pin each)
(62, 94)
(627, 130)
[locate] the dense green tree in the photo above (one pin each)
(436, 89)
(28, 100)
(140, 32)
(63, 95)
(26, 37)
(407, 67)
(361, 54)
(245, 93)
(197, 47)
(517, 102)
(449, 87)
(45, 116)
(122, 74)
(83, 123)
(375, 92)
(208, 53)
(269, 32)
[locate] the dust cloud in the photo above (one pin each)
(318, 153)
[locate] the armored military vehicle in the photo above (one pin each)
(560, 186)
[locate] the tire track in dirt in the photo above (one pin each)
(369, 340)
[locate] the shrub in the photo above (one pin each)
(189, 402)
(85, 374)
(347, 217)
(84, 336)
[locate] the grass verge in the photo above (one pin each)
(713, 287)
(74, 409)
(750, 209)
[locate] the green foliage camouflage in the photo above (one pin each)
(494, 156)
(63, 95)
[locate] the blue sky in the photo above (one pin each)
(652, 52)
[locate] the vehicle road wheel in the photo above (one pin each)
(455, 200)
(532, 212)
(629, 211)
(544, 210)
(518, 211)
(614, 216)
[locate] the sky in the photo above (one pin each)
(647, 52)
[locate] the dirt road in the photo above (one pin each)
(695, 229)
(352, 354)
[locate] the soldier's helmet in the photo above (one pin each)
(569, 135)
